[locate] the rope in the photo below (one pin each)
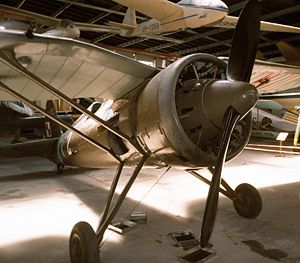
(151, 188)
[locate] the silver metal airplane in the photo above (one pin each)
(193, 114)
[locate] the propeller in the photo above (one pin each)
(239, 68)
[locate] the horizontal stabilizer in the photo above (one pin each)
(121, 25)
(43, 148)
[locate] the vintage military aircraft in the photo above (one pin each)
(195, 113)
(165, 16)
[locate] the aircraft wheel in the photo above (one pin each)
(83, 244)
(248, 203)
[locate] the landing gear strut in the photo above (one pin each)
(246, 199)
(60, 168)
(84, 242)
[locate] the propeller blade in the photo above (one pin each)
(244, 43)
(231, 119)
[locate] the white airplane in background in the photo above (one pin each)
(165, 17)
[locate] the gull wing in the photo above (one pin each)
(231, 21)
(76, 68)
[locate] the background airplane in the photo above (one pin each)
(165, 17)
(268, 121)
(268, 125)
(18, 119)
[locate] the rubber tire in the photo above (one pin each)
(83, 244)
(249, 202)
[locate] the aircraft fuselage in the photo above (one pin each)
(174, 117)
(191, 17)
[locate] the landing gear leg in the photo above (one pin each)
(84, 242)
(246, 198)
(60, 168)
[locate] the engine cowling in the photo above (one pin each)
(180, 112)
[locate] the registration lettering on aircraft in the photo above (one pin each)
(151, 27)
(202, 16)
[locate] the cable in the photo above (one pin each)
(151, 188)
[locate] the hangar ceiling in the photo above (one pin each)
(210, 40)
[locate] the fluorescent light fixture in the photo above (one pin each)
(149, 63)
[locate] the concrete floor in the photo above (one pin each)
(38, 209)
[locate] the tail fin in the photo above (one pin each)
(52, 129)
(128, 25)
(129, 20)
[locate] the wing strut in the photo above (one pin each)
(107, 218)
(8, 58)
